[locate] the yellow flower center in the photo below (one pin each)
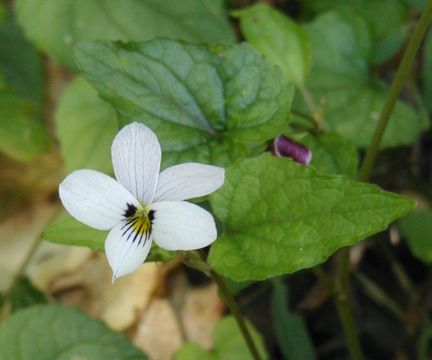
(138, 223)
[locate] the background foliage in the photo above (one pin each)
(218, 81)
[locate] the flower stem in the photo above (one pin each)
(303, 115)
(232, 305)
(343, 302)
(349, 327)
(380, 297)
(342, 299)
(402, 73)
(401, 76)
(310, 104)
(197, 260)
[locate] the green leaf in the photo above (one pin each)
(229, 344)
(417, 228)
(203, 102)
(354, 112)
(389, 45)
(192, 351)
(341, 83)
(159, 254)
(416, 4)
(2, 11)
(23, 294)
(55, 26)
(281, 217)
(423, 346)
(236, 287)
(341, 43)
(290, 330)
(22, 135)
(427, 71)
(332, 154)
(279, 38)
(86, 126)
(57, 332)
(388, 32)
(20, 64)
(68, 231)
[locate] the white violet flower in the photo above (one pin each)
(142, 205)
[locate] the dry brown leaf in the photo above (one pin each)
(185, 313)
(130, 296)
(17, 236)
(201, 310)
(52, 261)
(119, 304)
(158, 333)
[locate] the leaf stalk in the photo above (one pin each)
(402, 74)
(193, 259)
(399, 80)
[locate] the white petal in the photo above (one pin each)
(187, 181)
(136, 156)
(95, 199)
(179, 225)
(125, 249)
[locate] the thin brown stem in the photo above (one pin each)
(232, 305)
(197, 260)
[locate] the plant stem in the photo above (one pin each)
(303, 115)
(343, 301)
(380, 297)
(197, 260)
(401, 76)
(348, 325)
(232, 305)
(325, 280)
(310, 103)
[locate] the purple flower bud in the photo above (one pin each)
(284, 147)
